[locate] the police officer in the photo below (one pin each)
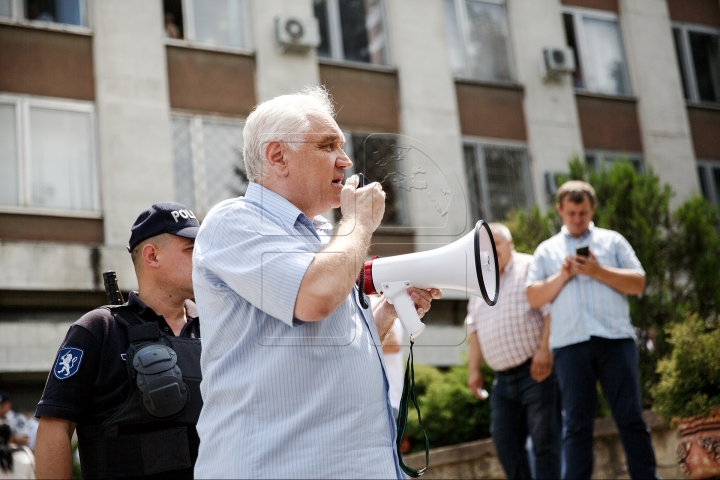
(128, 377)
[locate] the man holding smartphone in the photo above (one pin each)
(585, 273)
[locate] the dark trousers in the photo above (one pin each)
(615, 364)
(522, 406)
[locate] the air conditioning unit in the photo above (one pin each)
(298, 34)
(559, 60)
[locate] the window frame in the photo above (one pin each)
(23, 104)
(686, 63)
(463, 22)
(197, 152)
(578, 13)
(188, 18)
(335, 38)
(707, 167)
(18, 17)
(604, 156)
(479, 143)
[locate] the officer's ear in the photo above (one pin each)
(150, 255)
(275, 157)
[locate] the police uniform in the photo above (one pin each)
(94, 393)
(132, 386)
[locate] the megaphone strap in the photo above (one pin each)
(407, 394)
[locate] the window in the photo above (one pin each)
(66, 12)
(600, 159)
(352, 30)
(209, 22)
(599, 53)
(47, 155)
(709, 175)
(698, 51)
(479, 40)
(377, 156)
(499, 179)
(208, 161)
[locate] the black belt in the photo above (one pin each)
(522, 366)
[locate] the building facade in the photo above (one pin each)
(108, 106)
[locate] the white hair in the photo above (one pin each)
(502, 230)
(284, 119)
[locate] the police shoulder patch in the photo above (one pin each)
(67, 363)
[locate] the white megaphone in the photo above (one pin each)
(469, 264)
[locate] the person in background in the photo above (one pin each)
(586, 273)
(512, 337)
(16, 420)
(16, 461)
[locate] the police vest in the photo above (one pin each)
(153, 431)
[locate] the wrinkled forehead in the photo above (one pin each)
(322, 126)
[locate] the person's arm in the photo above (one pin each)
(542, 292)
(475, 360)
(391, 344)
(53, 452)
(542, 362)
(334, 269)
(625, 281)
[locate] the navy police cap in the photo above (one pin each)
(164, 217)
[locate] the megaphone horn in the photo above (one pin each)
(469, 264)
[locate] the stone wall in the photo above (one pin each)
(478, 459)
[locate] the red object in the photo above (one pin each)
(368, 286)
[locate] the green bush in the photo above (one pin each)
(450, 413)
(690, 377)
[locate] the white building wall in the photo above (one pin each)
(30, 346)
(429, 116)
(279, 73)
(656, 82)
(133, 111)
(551, 116)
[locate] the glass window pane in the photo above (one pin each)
(62, 165)
(374, 157)
(703, 183)
(475, 178)
(571, 40)
(706, 60)
(5, 8)
(678, 38)
(508, 179)
(457, 59)
(320, 6)
(182, 158)
(224, 166)
(219, 22)
(68, 12)
(605, 69)
(363, 31)
(716, 184)
(9, 180)
(488, 50)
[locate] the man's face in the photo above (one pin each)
(576, 216)
(504, 250)
(5, 407)
(317, 167)
(175, 256)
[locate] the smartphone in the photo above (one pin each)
(584, 251)
(362, 180)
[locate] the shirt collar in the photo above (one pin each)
(564, 230)
(510, 263)
(283, 208)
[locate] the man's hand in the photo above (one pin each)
(384, 312)
(580, 265)
(567, 272)
(366, 204)
(541, 365)
(475, 382)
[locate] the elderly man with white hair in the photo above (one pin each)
(293, 377)
(512, 337)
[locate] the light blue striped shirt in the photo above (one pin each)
(283, 398)
(586, 307)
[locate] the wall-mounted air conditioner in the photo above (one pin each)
(298, 34)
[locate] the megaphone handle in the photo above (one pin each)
(396, 293)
